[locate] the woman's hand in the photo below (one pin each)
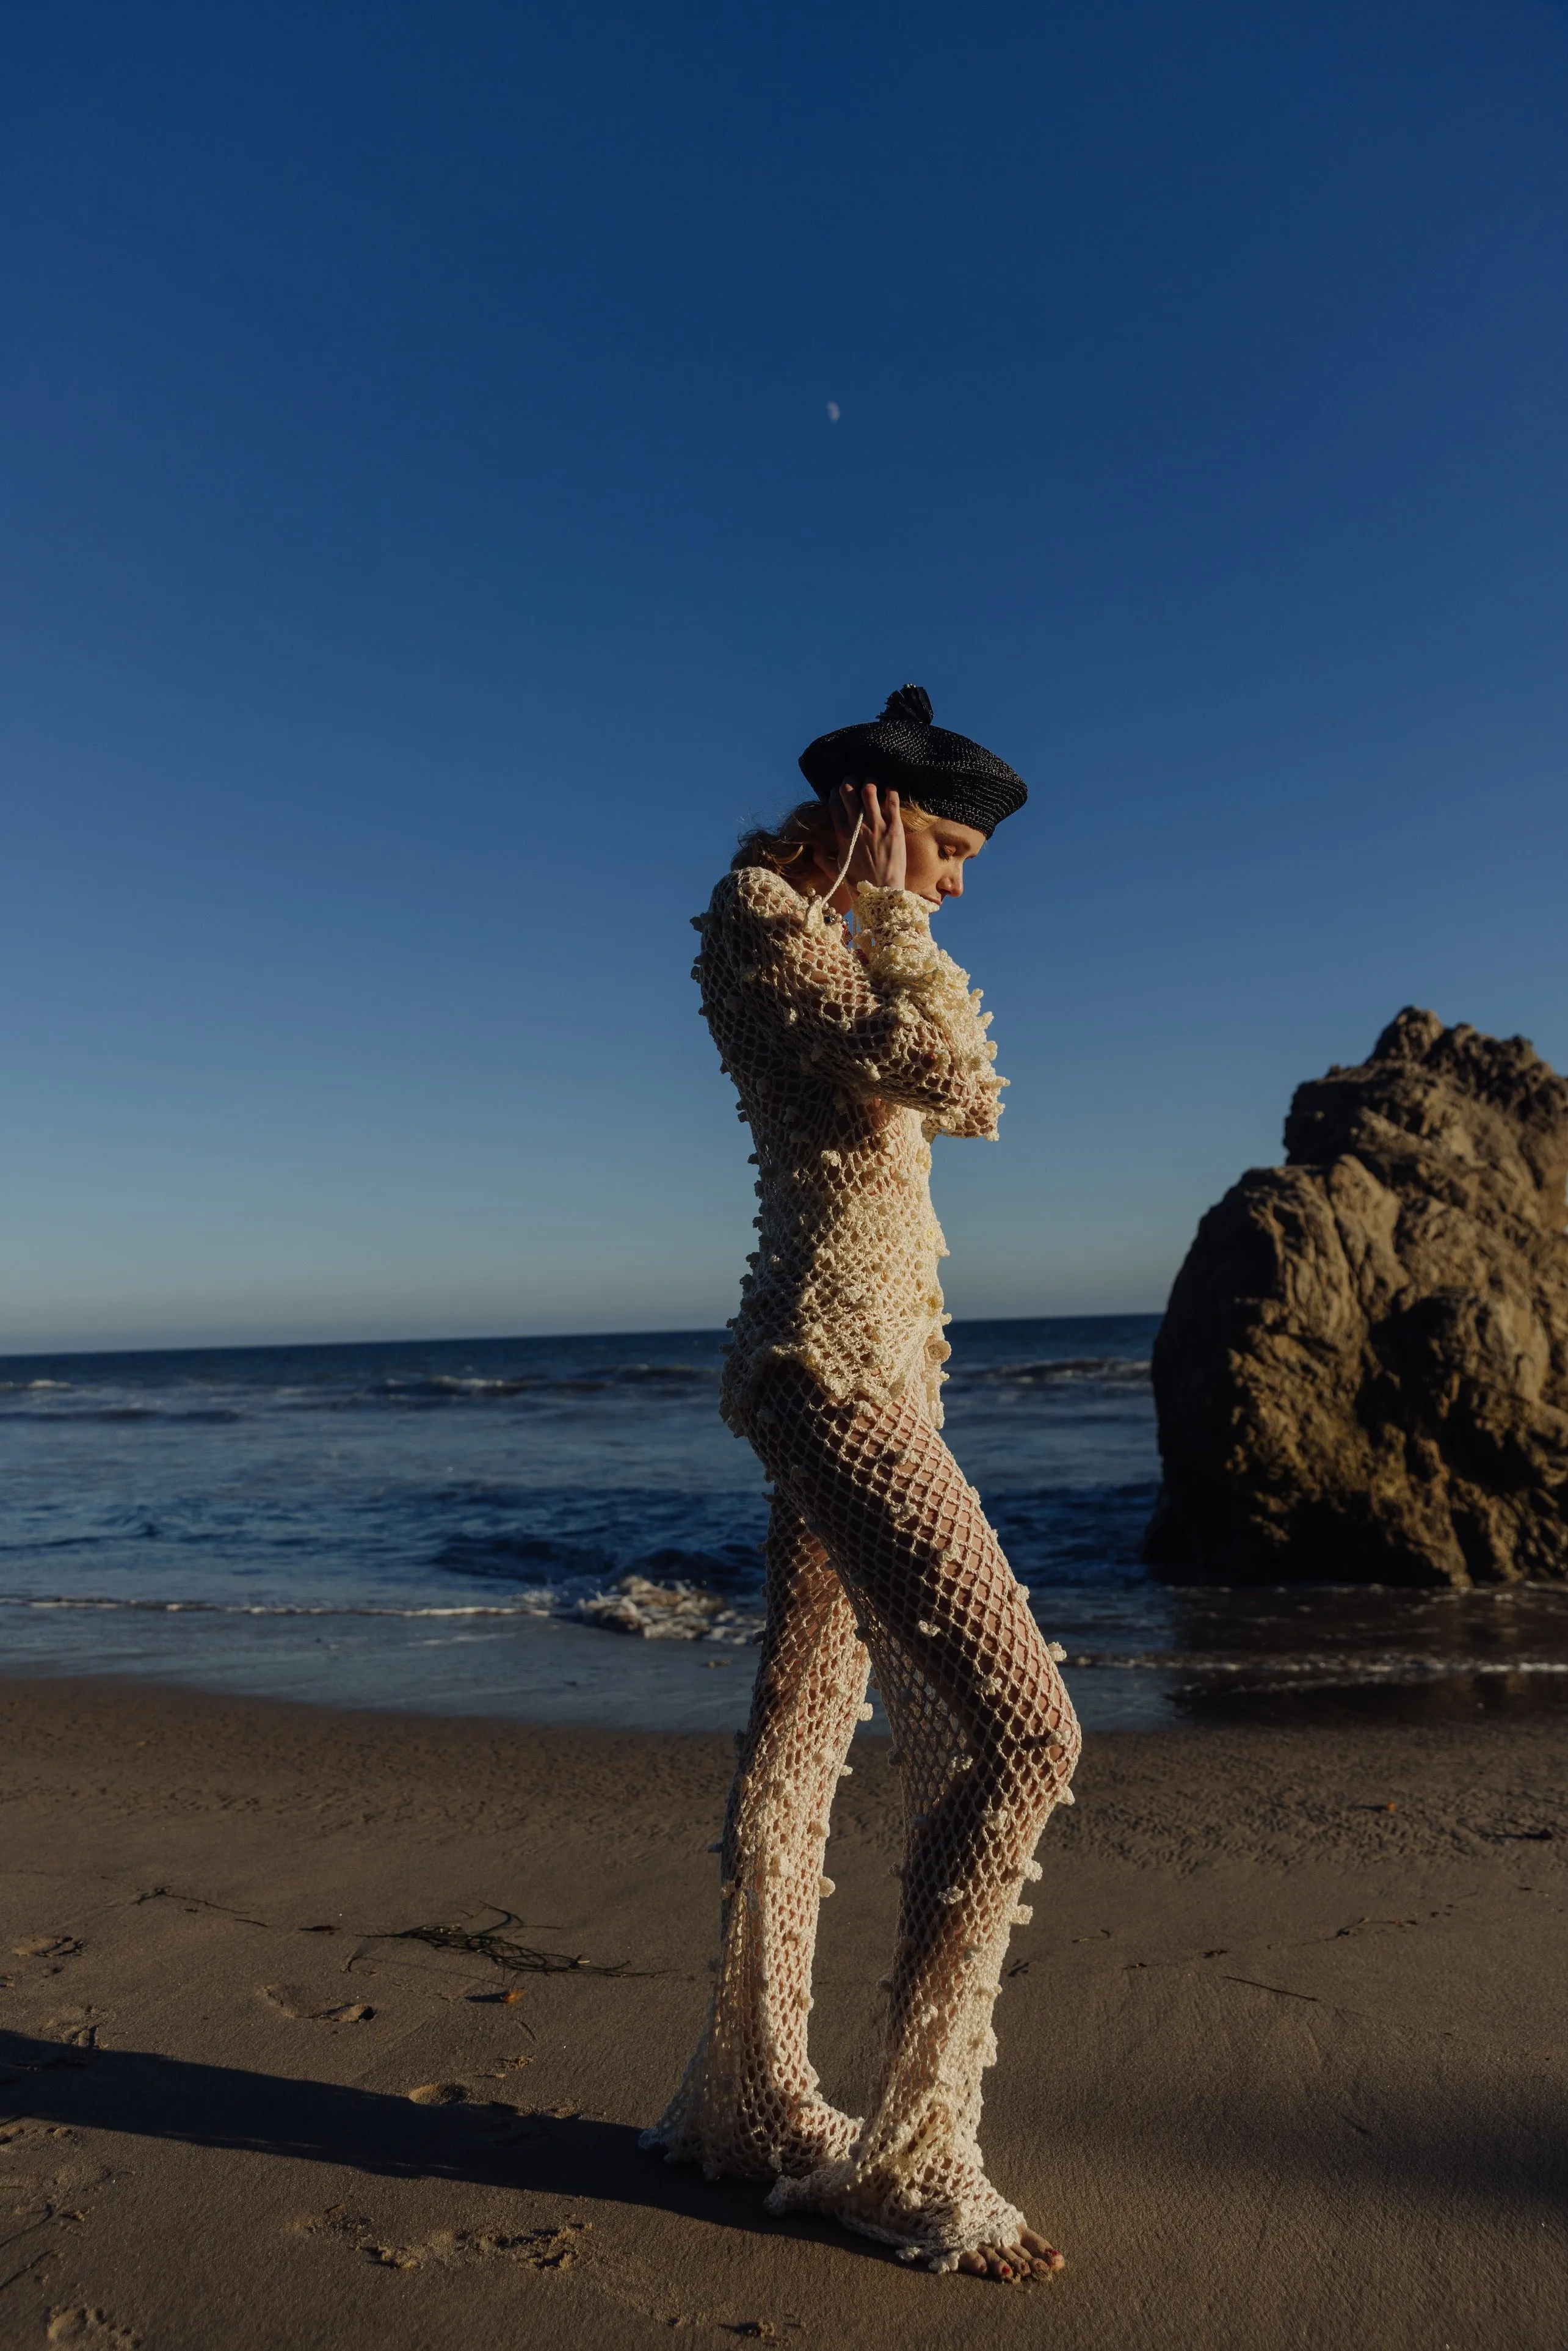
(879, 854)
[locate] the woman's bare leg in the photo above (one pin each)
(748, 2106)
(987, 1739)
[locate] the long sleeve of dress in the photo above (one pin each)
(900, 1024)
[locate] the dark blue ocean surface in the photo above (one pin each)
(478, 1525)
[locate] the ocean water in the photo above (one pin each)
(562, 1530)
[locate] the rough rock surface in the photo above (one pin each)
(1363, 1373)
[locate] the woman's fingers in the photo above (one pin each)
(879, 850)
(881, 838)
(862, 804)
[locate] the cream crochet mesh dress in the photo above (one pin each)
(879, 1556)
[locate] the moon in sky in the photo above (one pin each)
(833, 411)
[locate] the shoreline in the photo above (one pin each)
(517, 1666)
(1280, 2064)
(521, 1668)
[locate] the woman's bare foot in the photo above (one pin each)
(1029, 2256)
(948, 2197)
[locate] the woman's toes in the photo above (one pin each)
(1009, 2264)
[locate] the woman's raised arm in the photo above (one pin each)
(899, 1024)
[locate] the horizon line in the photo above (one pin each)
(500, 1339)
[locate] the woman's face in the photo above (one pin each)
(936, 858)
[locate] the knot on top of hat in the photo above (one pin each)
(911, 704)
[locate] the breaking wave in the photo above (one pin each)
(1079, 1371)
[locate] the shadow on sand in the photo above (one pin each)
(1451, 2144)
(369, 2131)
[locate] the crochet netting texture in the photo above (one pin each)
(847, 1060)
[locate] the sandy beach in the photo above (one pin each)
(337, 2030)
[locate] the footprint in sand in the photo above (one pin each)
(510, 2122)
(15, 2135)
(303, 2006)
(94, 2326)
(76, 2028)
(537, 2249)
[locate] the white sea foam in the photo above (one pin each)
(655, 1612)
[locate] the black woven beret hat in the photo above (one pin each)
(903, 752)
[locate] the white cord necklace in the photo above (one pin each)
(849, 860)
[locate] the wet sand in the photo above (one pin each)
(293, 2052)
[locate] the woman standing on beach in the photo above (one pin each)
(849, 1053)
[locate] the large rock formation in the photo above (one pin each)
(1363, 1373)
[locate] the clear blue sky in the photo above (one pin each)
(424, 537)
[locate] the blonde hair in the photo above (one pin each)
(808, 827)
